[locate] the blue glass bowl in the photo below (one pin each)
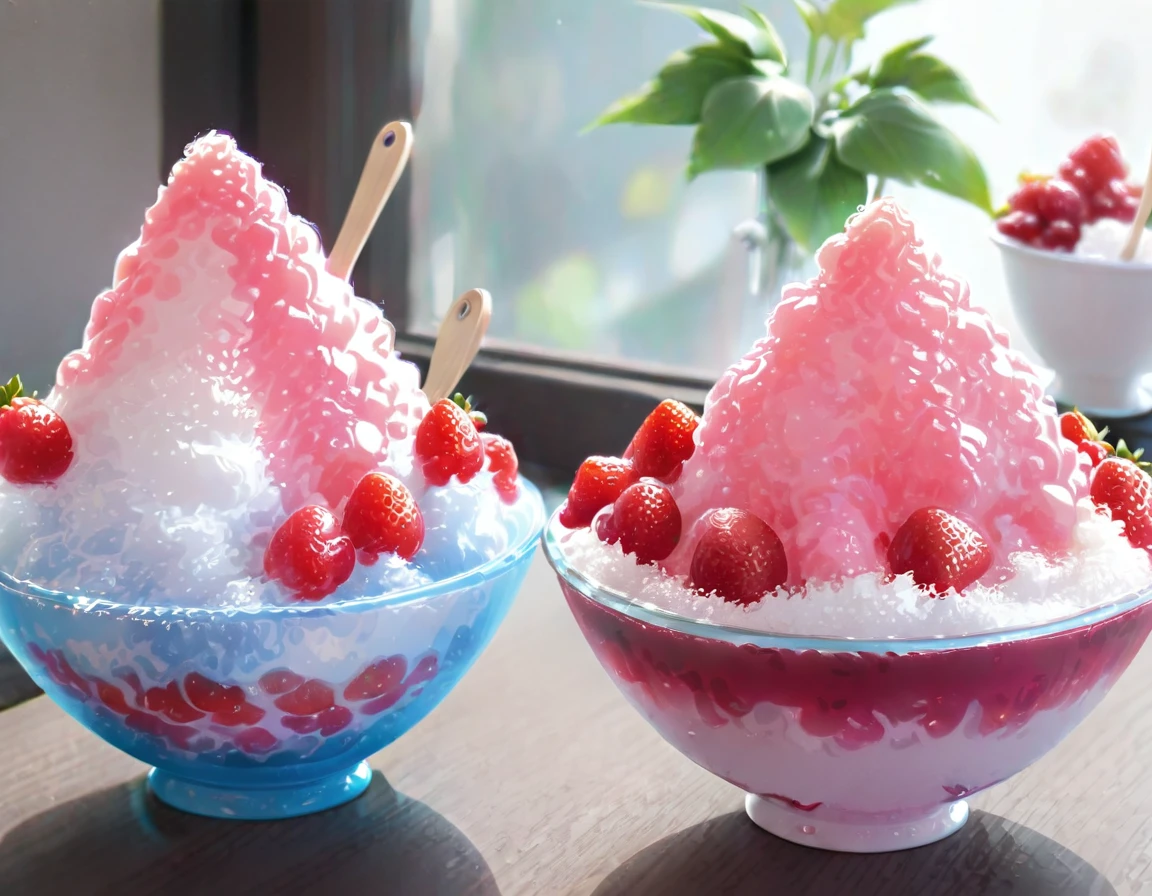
(268, 712)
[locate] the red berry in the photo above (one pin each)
(664, 441)
(335, 720)
(382, 517)
(1049, 199)
(1126, 491)
(939, 550)
(1022, 226)
(378, 678)
(1117, 199)
(35, 444)
(246, 714)
(310, 698)
(169, 701)
(309, 554)
(1093, 164)
(1096, 451)
(739, 557)
(1060, 235)
(503, 464)
(1075, 427)
(112, 697)
(598, 483)
(448, 445)
(207, 695)
(280, 681)
(1045, 213)
(256, 740)
(645, 521)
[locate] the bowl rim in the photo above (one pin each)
(1125, 268)
(650, 614)
(501, 563)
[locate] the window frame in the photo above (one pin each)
(268, 71)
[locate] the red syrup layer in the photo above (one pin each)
(199, 715)
(851, 698)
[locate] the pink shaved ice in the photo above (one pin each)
(288, 340)
(879, 389)
(225, 380)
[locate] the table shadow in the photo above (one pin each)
(730, 855)
(123, 840)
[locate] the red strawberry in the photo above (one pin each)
(210, 696)
(479, 418)
(1075, 427)
(448, 445)
(598, 483)
(1096, 451)
(503, 464)
(664, 441)
(645, 520)
(382, 517)
(35, 444)
(310, 698)
(1125, 489)
(309, 554)
(739, 557)
(939, 550)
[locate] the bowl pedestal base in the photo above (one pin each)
(260, 803)
(872, 835)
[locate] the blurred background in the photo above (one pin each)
(592, 244)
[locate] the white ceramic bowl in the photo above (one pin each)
(1090, 319)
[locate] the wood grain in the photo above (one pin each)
(535, 777)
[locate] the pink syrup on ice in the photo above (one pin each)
(879, 389)
(284, 339)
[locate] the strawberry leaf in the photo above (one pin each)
(12, 389)
(1126, 453)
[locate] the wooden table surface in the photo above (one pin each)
(535, 777)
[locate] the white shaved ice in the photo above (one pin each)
(1101, 568)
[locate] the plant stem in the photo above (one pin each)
(829, 62)
(812, 45)
(879, 189)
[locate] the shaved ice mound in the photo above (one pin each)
(225, 380)
(879, 389)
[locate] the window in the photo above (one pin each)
(616, 282)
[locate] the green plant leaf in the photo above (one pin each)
(815, 192)
(779, 54)
(12, 389)
(904, 50)
(813, 18)
(890, 133)
(676, 95)
(930, 77)
(731, 29)
(844, 20)
(748, 122)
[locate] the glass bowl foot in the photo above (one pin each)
(872, 835)
(259, 803)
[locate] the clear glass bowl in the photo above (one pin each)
(266, 712)
(859, 746)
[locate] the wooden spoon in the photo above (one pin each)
(1137, 229)
(386, 161)
(457, 343)
(385, 164)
